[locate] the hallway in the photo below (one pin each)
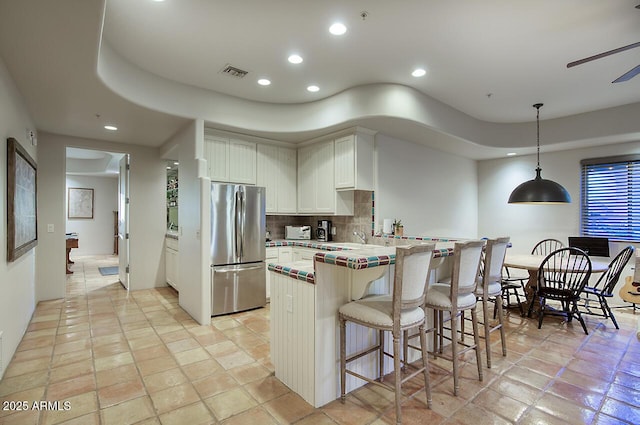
(120, 358)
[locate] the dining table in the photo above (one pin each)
(531, 263)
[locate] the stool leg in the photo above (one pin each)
(454, 349)
(502, 333)
(381, 354)
(343, 358)
(425, 364)
(487, 330)
(476, 339)
(398, 376)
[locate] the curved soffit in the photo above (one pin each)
(611, 125)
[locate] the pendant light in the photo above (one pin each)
(539, 190)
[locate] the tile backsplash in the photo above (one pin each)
(345, 225)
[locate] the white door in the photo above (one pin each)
(123, 222)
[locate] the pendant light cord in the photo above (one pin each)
(538, 106)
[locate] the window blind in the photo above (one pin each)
(610, 198)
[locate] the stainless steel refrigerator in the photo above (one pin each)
(238, 230)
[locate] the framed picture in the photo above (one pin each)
(22, 226)
(80, 203)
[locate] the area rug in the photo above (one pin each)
(108, 271)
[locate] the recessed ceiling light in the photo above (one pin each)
(168, 168)
(158, 1)
(176, 163)
(295, 59)
(313, 88)
(337, 29)
(419, 72)
(110, 127)
(264, 82)
(511, 154)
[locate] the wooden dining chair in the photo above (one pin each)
(562, 276)
(547, 246)
(394, 313)
(603, 288)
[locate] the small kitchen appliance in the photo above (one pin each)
(323, 232)
(297, 232)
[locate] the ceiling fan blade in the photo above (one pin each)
(628, 75)
(603, 54)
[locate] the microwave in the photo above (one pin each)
(297, 232)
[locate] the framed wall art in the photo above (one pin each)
(22, 225)
(80, 203)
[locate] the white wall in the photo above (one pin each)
(432, 192)
(96, 235)
(17, 279)
(147, 213)
(527, 224)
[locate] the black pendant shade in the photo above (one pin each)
(539, 190)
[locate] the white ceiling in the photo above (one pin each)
(489, 60)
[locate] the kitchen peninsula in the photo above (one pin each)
(305, 297)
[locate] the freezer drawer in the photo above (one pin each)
(237, 288)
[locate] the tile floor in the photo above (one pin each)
(118, 358)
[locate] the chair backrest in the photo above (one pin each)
(564, 273)
(466, 267)
(609, 279)
(547, 246)
(411, 274)
(494, 253)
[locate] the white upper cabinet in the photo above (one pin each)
(287, 192)
(230, 160)
(354, 162)
(316, 189)
(276, 171)
(242, 161)
(216, 151)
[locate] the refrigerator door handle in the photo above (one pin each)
(243, 218)
(238, 223)
(237, 268)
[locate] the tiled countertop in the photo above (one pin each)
(353, 258)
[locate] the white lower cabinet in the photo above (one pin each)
(276, 255)
(301, 254)
(171, 262)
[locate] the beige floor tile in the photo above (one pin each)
(194, 414)
(164, 380)
(230, 403)
(117, 393)
(142, 341)
(129, 412)
(288, 408)
(174, 397)
(256, 415)
(73, 407)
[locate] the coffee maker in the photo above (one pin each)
(323, 232)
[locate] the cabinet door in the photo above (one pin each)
(306, 180)
(345, 162)
(285, 255)
(217, 154)
(325, 200)
(242, 162)
(171, 267)
(267, 173)
(287, 193)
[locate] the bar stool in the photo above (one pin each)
(454, 298)
(489, 290)
(400, 311)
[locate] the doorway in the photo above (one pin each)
(96, 175)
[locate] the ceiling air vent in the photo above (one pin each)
(233, 71)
